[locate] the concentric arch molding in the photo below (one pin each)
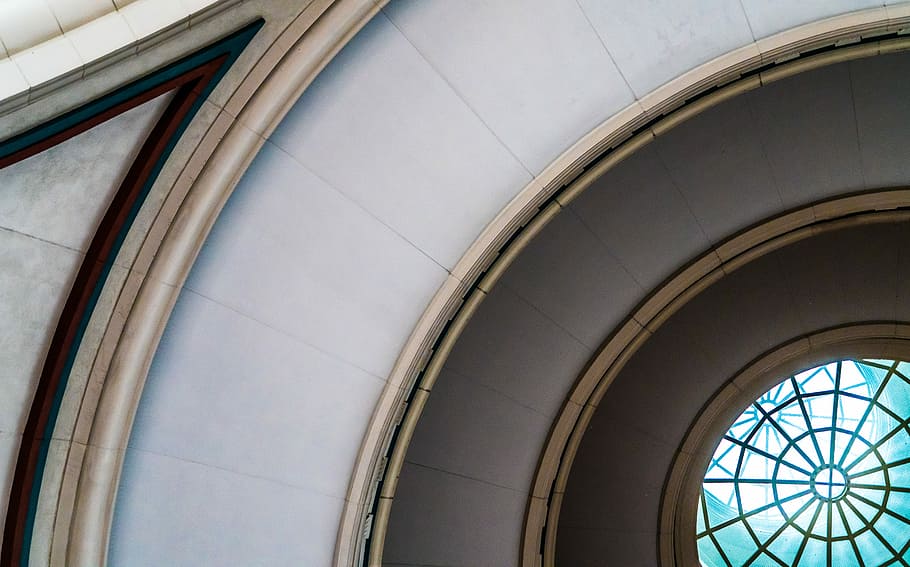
(889, 340)
(63, 518)
(512, 230)
(187, 82)
(203, 180)
(557, 458)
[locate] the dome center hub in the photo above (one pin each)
(829, 482)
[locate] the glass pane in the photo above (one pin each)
(815, 472)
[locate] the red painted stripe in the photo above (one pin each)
(37, 428)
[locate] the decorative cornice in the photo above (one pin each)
(808, 47)
(211, 172)
(191, 79)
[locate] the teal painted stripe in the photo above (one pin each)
(231, 46)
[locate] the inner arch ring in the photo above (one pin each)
(858, 341)
(810, 460)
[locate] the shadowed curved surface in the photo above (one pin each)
(507, 378)
(613, 497)
(313, 277)
(364, 201)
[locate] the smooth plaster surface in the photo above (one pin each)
(700, 181)
(418, 146)
(60, 195)
(613, 496)
(536, 60)
(50, 205)
(344, 227)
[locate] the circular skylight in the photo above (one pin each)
(814, 472)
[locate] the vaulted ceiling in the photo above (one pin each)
(419, 283)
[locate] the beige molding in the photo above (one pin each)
(562, 445)
(201, 182)
(569, 175)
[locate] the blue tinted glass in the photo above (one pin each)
(815, 472)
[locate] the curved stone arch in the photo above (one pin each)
(570, 180)
(562, 446)
(616, 497)
(211, 180)
(82, 522)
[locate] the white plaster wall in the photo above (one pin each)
(60, 195)
(386, 131)
(750, 158)
(50, 206)
(380, 177)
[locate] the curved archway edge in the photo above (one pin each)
(203, 182)
(601, 150)
(551, 480)
(196, 185)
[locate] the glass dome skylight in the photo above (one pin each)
(815, 472)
